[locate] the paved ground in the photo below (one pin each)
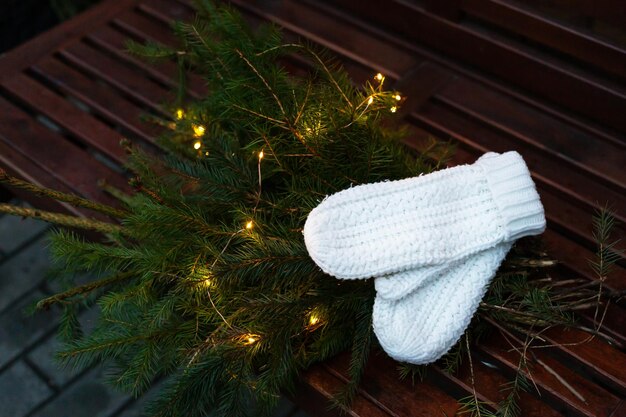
(31, 384)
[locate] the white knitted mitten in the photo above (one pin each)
(388, 227)
(396, 286)
(422, 326)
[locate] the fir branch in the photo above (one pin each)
(62, 219)
(46, 303)
(59, 196)
(361, 347)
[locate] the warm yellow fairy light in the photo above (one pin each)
(207, 283)
(198, 130)
(313, 320)
(393, 109)
(261, 155)
(197, 144)
(249, 225)
(370, 100)
(180, 114)
(249, 338)
(398, 97)
(379, 77)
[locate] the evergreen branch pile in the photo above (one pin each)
(207, 281)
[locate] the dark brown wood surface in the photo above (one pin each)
(485, 74)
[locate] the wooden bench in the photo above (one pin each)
(485, 74)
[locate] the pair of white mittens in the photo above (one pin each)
(433, 243)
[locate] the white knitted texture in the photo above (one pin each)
(398, 285)
(384, 228)
(421, 327)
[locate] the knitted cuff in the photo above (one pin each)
(514, 193)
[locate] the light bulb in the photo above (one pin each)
(398, 97)
(393, 109)
(249, 225)
(313, 320)
(370, 100)
(180, 114)
(197, 144)
(379, 77)
(198, 130)
(261, 155)
(207, 283)
(249, 338)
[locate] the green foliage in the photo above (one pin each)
(231, 314)
(607, 254)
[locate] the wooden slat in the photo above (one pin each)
(420, 83)
(606, 363)
(167, 11)
(166, 72)
(614, 322)
(103, 100)
(489, 384)
(423, 399)
(83, 126)
(577, 258)
(325, 385)
(609, 10)
(140, 25)
(128, 80)
(591, 401)
(16, 164)
(511, 16)
(620, 411)
(587, 152)
(63, 161)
